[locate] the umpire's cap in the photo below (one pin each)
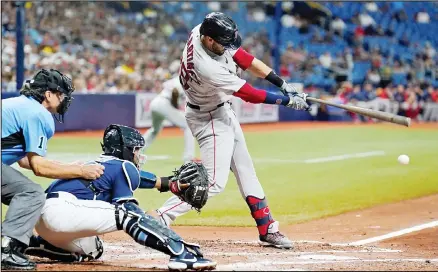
(222, 29)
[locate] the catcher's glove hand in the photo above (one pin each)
(190, 184)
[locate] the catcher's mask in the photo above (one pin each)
(54, 81)
(125, 143)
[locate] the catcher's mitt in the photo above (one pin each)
(192, 182)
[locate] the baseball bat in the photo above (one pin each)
(385, 116)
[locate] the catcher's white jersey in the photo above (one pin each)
(208, 79)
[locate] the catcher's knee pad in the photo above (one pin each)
(148, 231)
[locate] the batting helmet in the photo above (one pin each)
(222, 29)
(54, 81)
(122, 142)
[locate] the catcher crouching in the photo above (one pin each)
(77, 211)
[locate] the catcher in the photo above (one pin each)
(77, 210)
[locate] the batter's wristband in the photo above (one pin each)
(164, 184)
(275, 79)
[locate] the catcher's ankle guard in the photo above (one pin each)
(149, 232)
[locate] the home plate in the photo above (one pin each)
(326, 257)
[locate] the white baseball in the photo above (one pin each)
(403, 159)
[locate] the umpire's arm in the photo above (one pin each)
(43, 167)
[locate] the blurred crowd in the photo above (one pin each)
(108, 51)
(102, 50)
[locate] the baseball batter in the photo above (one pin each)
(165, 106)
(209, 70)
(77, 211)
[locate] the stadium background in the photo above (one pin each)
(379, 55)
(327, 183)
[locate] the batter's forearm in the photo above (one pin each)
(259, 68)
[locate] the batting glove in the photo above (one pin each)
(298, 101)
(287, 89)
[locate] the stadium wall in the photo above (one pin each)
(97, 111)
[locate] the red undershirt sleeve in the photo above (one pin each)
(243, 58)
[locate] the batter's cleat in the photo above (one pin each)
(12, 256)
(189, 261)
(275, 238)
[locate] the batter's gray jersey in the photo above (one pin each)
(208, 81)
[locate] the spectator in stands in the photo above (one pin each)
(326, 60)
(369, 90)
(367, 23)
(373, 77)
(385, 73)
(399, 95)
(357, 94)
(398, 11)
(398, 68)
(404, 40)
(359, 54)
(428, 50)
(338, 26)
(432, 95)
(317, 38)
(371, 7)
(411, 106)
(422, 17)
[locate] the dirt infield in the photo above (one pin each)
(263, 127)
(331, 243)
(323, 244)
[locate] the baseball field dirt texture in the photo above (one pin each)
(336, 189)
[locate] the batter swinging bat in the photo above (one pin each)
(385, 116)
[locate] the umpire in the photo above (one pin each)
(27, 125)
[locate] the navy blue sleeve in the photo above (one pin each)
(147, 180)
(126, 183)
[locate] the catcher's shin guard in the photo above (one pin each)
(41, 248)
(149, 232)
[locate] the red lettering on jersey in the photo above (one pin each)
(187, 72)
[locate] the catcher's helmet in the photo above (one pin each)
(54, 81)
(222, 29)
(122, 141)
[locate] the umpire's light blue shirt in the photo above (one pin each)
(26, 127)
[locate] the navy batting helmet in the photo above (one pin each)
(222, 29)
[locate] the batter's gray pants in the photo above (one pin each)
(25, 200)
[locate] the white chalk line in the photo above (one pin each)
(324, 159)
(395, 234)
(304, 262)
(68, 157)
(322, 243)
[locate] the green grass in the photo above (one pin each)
(299, 192)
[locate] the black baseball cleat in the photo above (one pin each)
(189, 261)
(12, 256)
